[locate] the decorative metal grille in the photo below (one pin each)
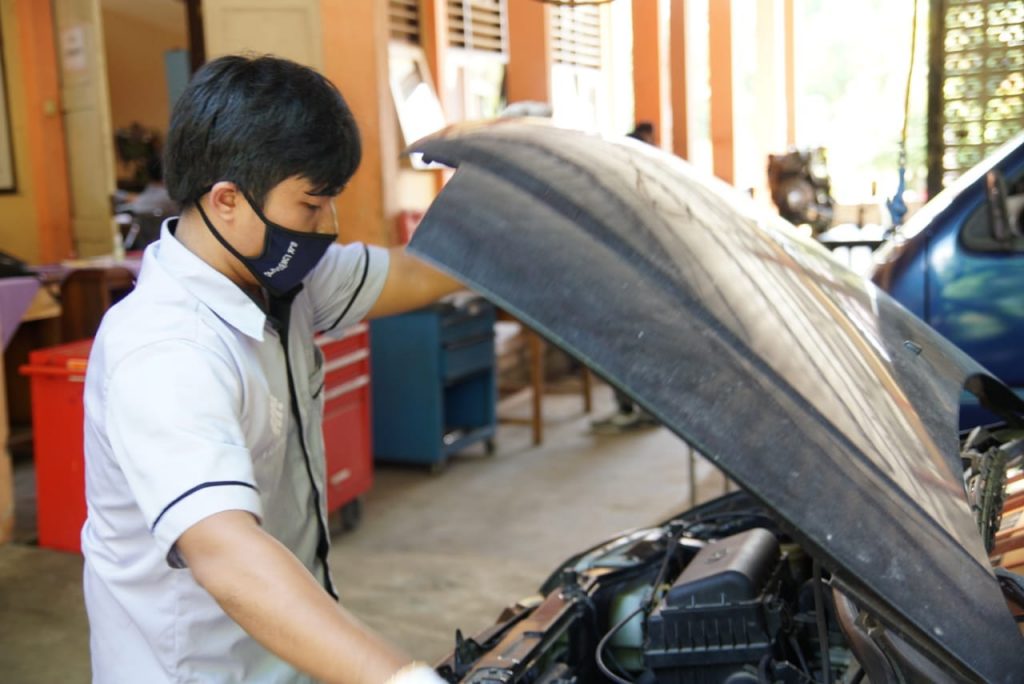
(404, 20)
(477, 25)
(976, 83)
(576, 35)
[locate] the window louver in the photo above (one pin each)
(576, 35)
(404, 20)
(477, 25)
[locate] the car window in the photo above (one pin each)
(976, 234)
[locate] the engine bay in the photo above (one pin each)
(718, 594)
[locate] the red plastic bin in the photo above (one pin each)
(57, 379)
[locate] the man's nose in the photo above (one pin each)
(329, 226)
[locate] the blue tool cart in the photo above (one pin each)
(434, 381)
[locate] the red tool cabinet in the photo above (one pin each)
(346, 424)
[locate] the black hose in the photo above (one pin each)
(599, 655)
(762, 669)
(800, 656)
(670, 551)
(659, 580)
(673, 543)
(819, 612)
(649, 604)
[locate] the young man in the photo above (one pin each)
(206, 546)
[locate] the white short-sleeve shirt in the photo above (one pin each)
(188, 413)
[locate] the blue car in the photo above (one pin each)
(963, 273)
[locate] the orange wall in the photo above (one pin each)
(720, 42)
(647, 61)
(355, 35)
(677, 78)
(529, 51)
(135, 68)
(18, 234)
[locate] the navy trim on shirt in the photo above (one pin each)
(359, 288)
(218, 483)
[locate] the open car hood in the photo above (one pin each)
(805, 383)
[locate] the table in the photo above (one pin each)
(16, 295)
(21, 299)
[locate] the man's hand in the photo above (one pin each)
(266, 590)
(410, 285)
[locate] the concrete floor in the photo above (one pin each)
(434, 552)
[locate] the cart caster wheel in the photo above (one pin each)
(489, 447)
(351, 514)
(437, 467)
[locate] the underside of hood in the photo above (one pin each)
(805, 383)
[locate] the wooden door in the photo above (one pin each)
(87, 129)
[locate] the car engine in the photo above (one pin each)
(718, 595)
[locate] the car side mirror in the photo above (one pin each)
(998, 209)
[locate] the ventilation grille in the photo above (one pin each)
(576, 35)
(404, 20)
(981, 101)
(477, 25)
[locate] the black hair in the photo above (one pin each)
(642, 128)
(154, 168)
(256, 121)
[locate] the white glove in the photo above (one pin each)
(415, 673)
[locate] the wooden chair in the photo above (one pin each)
(86, 294)
(536, 350)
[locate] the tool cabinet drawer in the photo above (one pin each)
(343, 369)
(347, 358)
(475, 320)
(466, 357)
(354, 339)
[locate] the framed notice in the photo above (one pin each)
(6, 153)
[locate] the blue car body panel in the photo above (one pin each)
(974, 298)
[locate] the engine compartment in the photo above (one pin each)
(717, 595)
(721, 594)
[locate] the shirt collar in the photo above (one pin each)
(211, 287)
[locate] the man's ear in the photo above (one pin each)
(223, 200)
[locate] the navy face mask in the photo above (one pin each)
(287, 257)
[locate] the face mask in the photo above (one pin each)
(287, 257)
